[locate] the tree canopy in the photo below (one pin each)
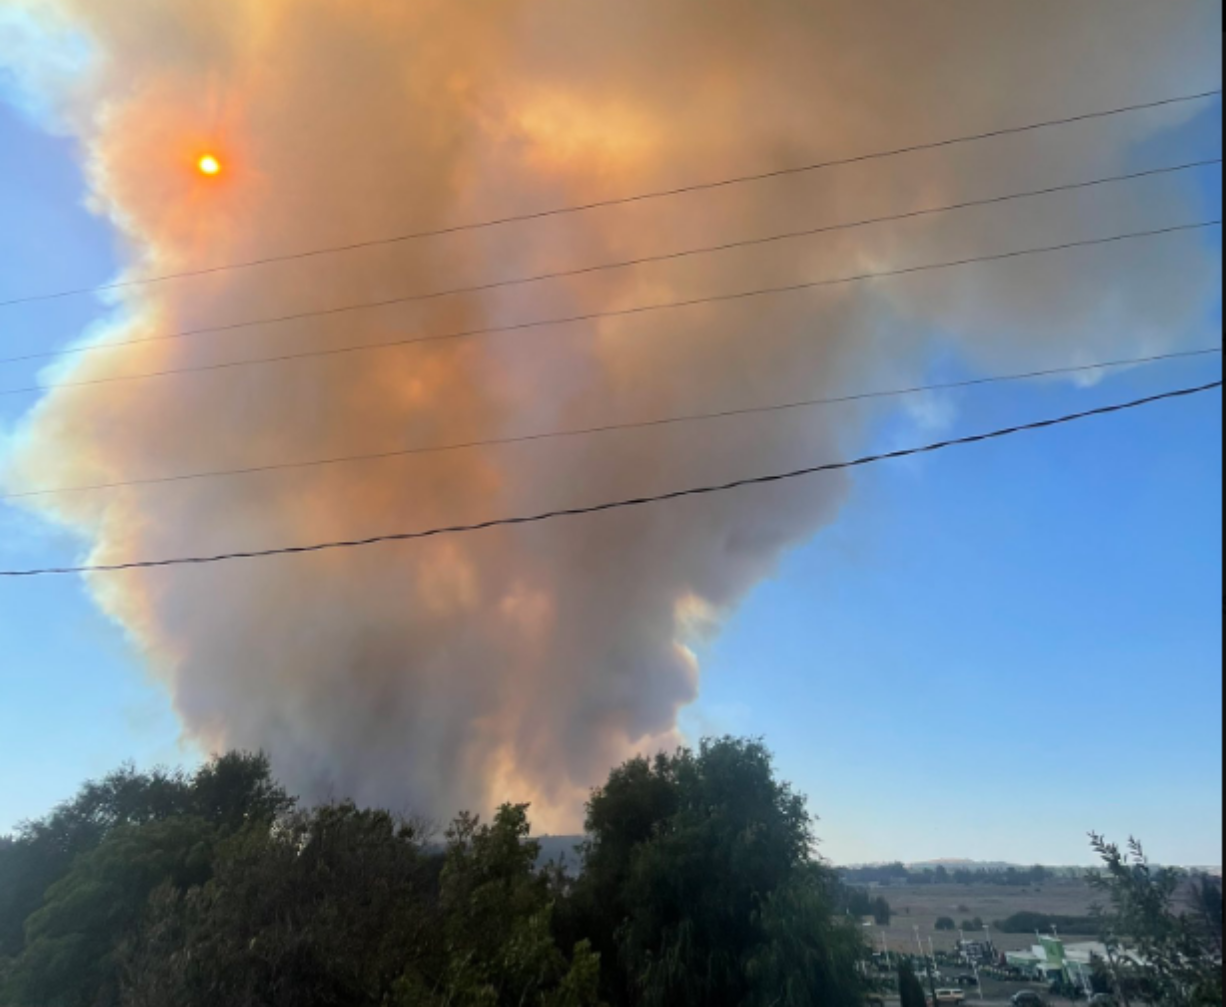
(1163, 930)
(700, 885)
(910, 989)
(695, 861)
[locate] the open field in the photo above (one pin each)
(922, 905)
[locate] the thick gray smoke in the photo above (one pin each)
(522, 663)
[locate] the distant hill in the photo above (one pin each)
(954, 864)
(961, 864)
(559, 848)
(554, 848)
(950, 864)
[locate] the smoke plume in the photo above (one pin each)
(521, 663)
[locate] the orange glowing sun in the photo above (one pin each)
(209, 165)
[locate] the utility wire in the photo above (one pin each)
(623, 264)
(626, 200)
(610, 427)
(622, 312)
(618, 504)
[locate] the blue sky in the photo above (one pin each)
(1043, 614)
(73, 700)
(991, 652)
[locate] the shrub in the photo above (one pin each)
(1029, 922)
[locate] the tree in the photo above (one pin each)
(42, 851)
(236, 789)
(946, 923)
(882, 913)
(1175, 953)
(694, 862)
(72, 943)
(226, 791)
(1066, 990)
(1205, 903)
(1100, 976)
(805, 956)
(342, 905)
(498, 922)
(853, 901)
(910, 989)
(74, 885)
(327, 907)
(700, 887)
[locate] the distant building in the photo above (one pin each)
(977, 951)
(1052, 960)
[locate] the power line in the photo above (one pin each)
(626, 200)
(611, 427)
(623, 264)
(622, 312)
(618, 504)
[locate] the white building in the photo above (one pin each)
(1051, 960)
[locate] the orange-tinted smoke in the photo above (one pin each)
(519, 664)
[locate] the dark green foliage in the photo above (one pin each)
(946, 923)
(345, 906)
(73, 884)
(859, 903)
(500, 947)
(1028, 923)
(1010, 876)
(213, 889)
(236, 789)
(72, 941)
(1066, 991)
(910, 989)
(226, 792)
(854, 901)
(1205, 910)
(693, 860)
(804, 955)
(1170, 950)
(323, 908)
(1100, 976)
(880, 874)
(42, 851)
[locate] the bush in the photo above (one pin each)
(1028, 923)
(945, 923)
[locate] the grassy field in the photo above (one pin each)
(922, 905)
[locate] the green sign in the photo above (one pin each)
(1053, 948)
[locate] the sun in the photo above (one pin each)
(209, 165)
